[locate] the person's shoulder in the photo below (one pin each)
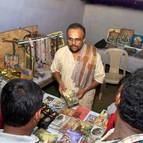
(98, 56)
(62, 50)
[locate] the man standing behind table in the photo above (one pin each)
(21, 103)
(78, 66)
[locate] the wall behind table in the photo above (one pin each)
(98, 19)
(49, 15)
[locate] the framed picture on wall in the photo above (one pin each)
(125, 36)
(137, 41)
(112, 36)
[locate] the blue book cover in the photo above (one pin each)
(137, 41)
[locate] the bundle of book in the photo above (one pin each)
(70, 98)
(126, 39)
(60, 124)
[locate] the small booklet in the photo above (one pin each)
(59, 122)
(91, 117)
(46, 137)
(70, 136)
(94, 136)
(102, 119)
(47, 116)
(77, 125)
(70, 98)
(57, 104)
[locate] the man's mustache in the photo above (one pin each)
(73, 46)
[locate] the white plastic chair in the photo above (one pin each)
(116, 56)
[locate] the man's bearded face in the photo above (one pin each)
(75, 39)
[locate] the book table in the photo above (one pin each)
(69, 125)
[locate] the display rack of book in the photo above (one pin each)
(61, 124)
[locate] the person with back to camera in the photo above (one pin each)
(111, 109)
(78, 66)
(129, 114)
(21, 102)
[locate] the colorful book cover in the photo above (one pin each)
(91, 117)
(85, 128)
(57, 104)
(137, 41)
(48, 100)
(67, 111)
(70, 136)
(77, 125)
(81, 112)
(49, 96)
(73, 124)
(11, 60)
(125, 36)
(70, 98)
(47, 116)
(46, 137)
(94, 136)
(97, 132)
(102, 119)
(112, 36)
(59, 122)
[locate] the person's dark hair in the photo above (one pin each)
(123, 80)
(20, 100)
(131, 101)
(76, 25)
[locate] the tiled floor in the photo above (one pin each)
(108, 95)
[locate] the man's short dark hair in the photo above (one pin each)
(131, 103)
(20, 100)
(77, 25)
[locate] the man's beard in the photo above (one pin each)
(75, 51)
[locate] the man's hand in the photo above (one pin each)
(62, 87)
(81, 93)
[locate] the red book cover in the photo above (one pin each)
(81, 112)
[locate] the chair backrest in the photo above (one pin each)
(116, 57)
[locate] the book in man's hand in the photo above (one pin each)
(71, 98)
